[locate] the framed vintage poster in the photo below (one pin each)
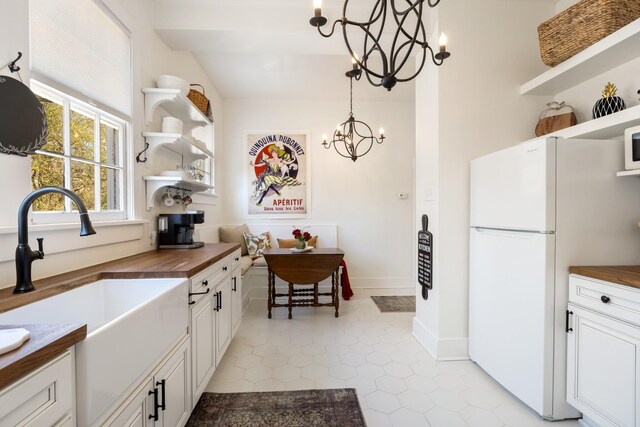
(277, 178)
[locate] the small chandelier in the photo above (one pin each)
(380, 67)
(353, 138)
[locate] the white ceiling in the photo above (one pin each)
(267, 49)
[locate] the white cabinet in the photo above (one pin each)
(603, 352)
(135, 412)
(172, 385)
(203, 344)
(164, 397)
(223, 317)
(236, 300)
(46, 397)
(210, 322)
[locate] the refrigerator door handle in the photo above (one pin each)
(509, 230)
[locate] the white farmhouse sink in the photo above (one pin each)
(130, 325)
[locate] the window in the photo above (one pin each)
(84, 153)
(81, 69)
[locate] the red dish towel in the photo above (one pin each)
(347, 293)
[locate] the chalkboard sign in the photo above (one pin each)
(23, 123)
(425, 257)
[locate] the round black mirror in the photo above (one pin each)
(23, 122)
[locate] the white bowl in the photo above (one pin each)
(171, 125)
(166, 81)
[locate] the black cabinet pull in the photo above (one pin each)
(567, 328)
(197, 293)
(237, 258)
(163, 405)
(205, 283)
(224, 268)
(605, 299)
(155, 416)
(217, 307)
(235, 282)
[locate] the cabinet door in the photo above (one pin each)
(603, 368)
(42, 398)
(172, 381)
(135, 412)
(236, 300)
(223, 318)
(203, 344)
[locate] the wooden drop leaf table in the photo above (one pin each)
(299, 270)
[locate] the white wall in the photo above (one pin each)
(474, 108)
(151, 58)
(374, 226)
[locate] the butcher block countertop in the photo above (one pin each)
(160, 263)
(45, 343)
(48, 341)
(627, 275)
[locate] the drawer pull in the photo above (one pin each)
(205, 283)
(155, 416)
(224, 268)
(237, 258)
(567, 328)
(605, 299)
(198, 293)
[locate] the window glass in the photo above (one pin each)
(83, 157)
(47, 171)
(82, 135)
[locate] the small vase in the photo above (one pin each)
(301, 244)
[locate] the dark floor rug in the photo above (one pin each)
(303, 408)
(397, 304)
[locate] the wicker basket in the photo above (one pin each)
(199, 100)
(582, 25)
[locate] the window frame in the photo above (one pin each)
(99, 115)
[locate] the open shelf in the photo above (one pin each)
(156, 183)
(181, 143)
(176, 104)
(635, 172)
(610, 52)
(607, 127)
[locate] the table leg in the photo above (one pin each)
(269, 287)
(315, 293)
(290, 299)
(336, 290)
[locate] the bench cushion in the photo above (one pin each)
(245, 264)
(233, 234)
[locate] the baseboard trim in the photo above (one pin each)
(441, 349)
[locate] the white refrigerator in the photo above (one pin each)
(536, 209)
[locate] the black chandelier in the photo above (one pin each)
(382, 67)
(353, 138)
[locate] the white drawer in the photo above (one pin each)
(235, 259)
(43, 398)
(204, 282)
(622, 302)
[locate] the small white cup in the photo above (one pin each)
(171, 125)
(168, 200)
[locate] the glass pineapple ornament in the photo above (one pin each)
(609, 104)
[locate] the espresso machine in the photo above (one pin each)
(175, 231)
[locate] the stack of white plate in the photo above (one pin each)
(166, 81)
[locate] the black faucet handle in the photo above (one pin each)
(40, 246)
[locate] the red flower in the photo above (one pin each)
(297, 233)
(306, 236)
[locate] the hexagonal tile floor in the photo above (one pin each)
(398, 382)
